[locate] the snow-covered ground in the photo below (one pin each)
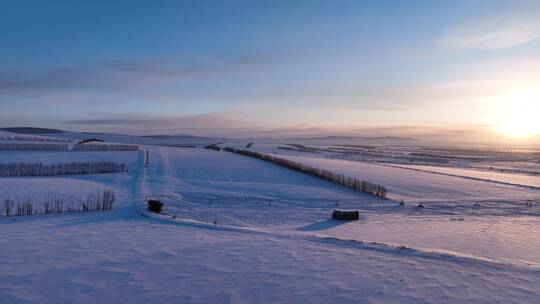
(499, 238)
(247, 231)
(490, 175)
(121, 258)
(23, 188)
(414, 185)
(235, 190)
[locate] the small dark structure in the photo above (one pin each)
(345, 215)
(154, 205)
(146, 157)
(249, 145)
(91, 140)
(214, 146)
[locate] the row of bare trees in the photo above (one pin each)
(34, 139)
(71, 168)
(58, 204)
(104, 147)
(42, 146)
(347, 181)
(32, 147)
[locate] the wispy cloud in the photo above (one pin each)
(119, 74)
(489, 35)
(392, 98)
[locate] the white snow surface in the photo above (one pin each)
(417, 186)
(498, 238)
(248, 231)
(119, 258)
(489, 175)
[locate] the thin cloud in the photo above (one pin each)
(207, 119)
(493, 37)
(449, 94)
(113, 75)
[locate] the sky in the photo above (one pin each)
(272, 68)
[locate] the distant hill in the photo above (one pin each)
(31, 130)
(358, 137)
(180, 136)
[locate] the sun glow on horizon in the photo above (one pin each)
(518, 115)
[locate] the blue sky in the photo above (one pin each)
(240, 68)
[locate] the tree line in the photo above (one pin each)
(58, 204)
(104, 147)
(34, 139)
(20, 146)
(71, 168)
(347, 181)
(33, 147)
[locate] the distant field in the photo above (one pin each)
(512, 178)
(413, 185)
(38, 188)
(242, 191)
(35, 187)
(474, 236)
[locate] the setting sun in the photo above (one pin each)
(518, 115)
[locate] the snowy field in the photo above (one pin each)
(241, 230)
(501, 238)
(415, 185)
(23, 188)
(207, 185)
(122, 258)
(489, 175)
